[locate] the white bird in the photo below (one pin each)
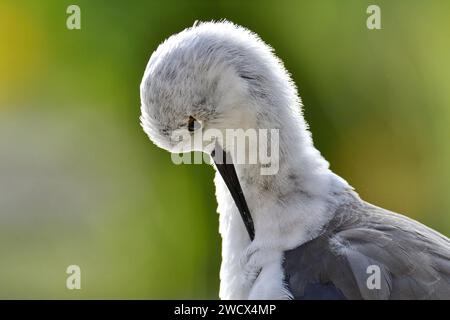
(314, 238)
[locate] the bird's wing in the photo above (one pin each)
(371, 253)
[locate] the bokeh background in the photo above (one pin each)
(81, 184)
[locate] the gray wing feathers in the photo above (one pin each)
(414, 261)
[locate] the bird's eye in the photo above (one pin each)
(193, 124)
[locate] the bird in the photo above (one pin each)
(304, 232)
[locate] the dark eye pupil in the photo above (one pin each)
(191, 124)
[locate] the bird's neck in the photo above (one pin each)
(291, 206)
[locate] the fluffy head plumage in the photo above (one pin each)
(221, 74)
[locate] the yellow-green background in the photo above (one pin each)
(81, 184)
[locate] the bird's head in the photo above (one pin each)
(214, 75)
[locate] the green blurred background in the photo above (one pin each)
(81, 184)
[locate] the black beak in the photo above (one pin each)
(228, 173)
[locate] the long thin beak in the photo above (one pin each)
(228, 173)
